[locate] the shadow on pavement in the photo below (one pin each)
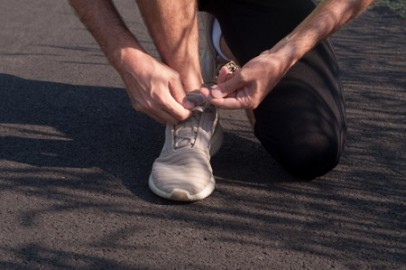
(72, 147)
(74, 164)
(56, 126)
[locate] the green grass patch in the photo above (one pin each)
(398, 6)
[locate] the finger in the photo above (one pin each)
(230, 85)
(224, 74)
(159, 116)
(227, 103)
(205, 91)
(164, 117)
(174, 108)
(179, 94)
(136, 106)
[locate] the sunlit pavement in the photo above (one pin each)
(75, 159)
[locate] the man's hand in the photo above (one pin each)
(154, 88)
(248, 86)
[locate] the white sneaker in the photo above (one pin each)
(183, 172)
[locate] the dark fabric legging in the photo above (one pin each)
(301, 123)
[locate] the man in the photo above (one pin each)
(288, 81)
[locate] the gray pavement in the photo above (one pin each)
(75, 158)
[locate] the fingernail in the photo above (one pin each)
(216, 92)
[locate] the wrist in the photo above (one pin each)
(123, 53)
(288, 52)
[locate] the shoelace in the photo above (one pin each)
(185, 133)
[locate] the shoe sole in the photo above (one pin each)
(181, 195)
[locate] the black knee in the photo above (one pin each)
(307, 156)
(310, 156)
(300, 132)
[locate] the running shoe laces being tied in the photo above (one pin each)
(183, 172)
(185, 132)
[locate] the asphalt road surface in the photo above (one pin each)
(75, 159)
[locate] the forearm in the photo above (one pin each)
(105, 24)
(328, 17)
(174, 29)
(249, 85)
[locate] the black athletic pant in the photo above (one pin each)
(301, 123)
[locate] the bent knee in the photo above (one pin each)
(307, 156)
(310, 156)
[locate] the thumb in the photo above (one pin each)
(224, 74)
(178, 93)
(227, 86)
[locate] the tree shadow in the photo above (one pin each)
(66, 151)
(53, 125)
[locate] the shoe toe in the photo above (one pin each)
(183, 177)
